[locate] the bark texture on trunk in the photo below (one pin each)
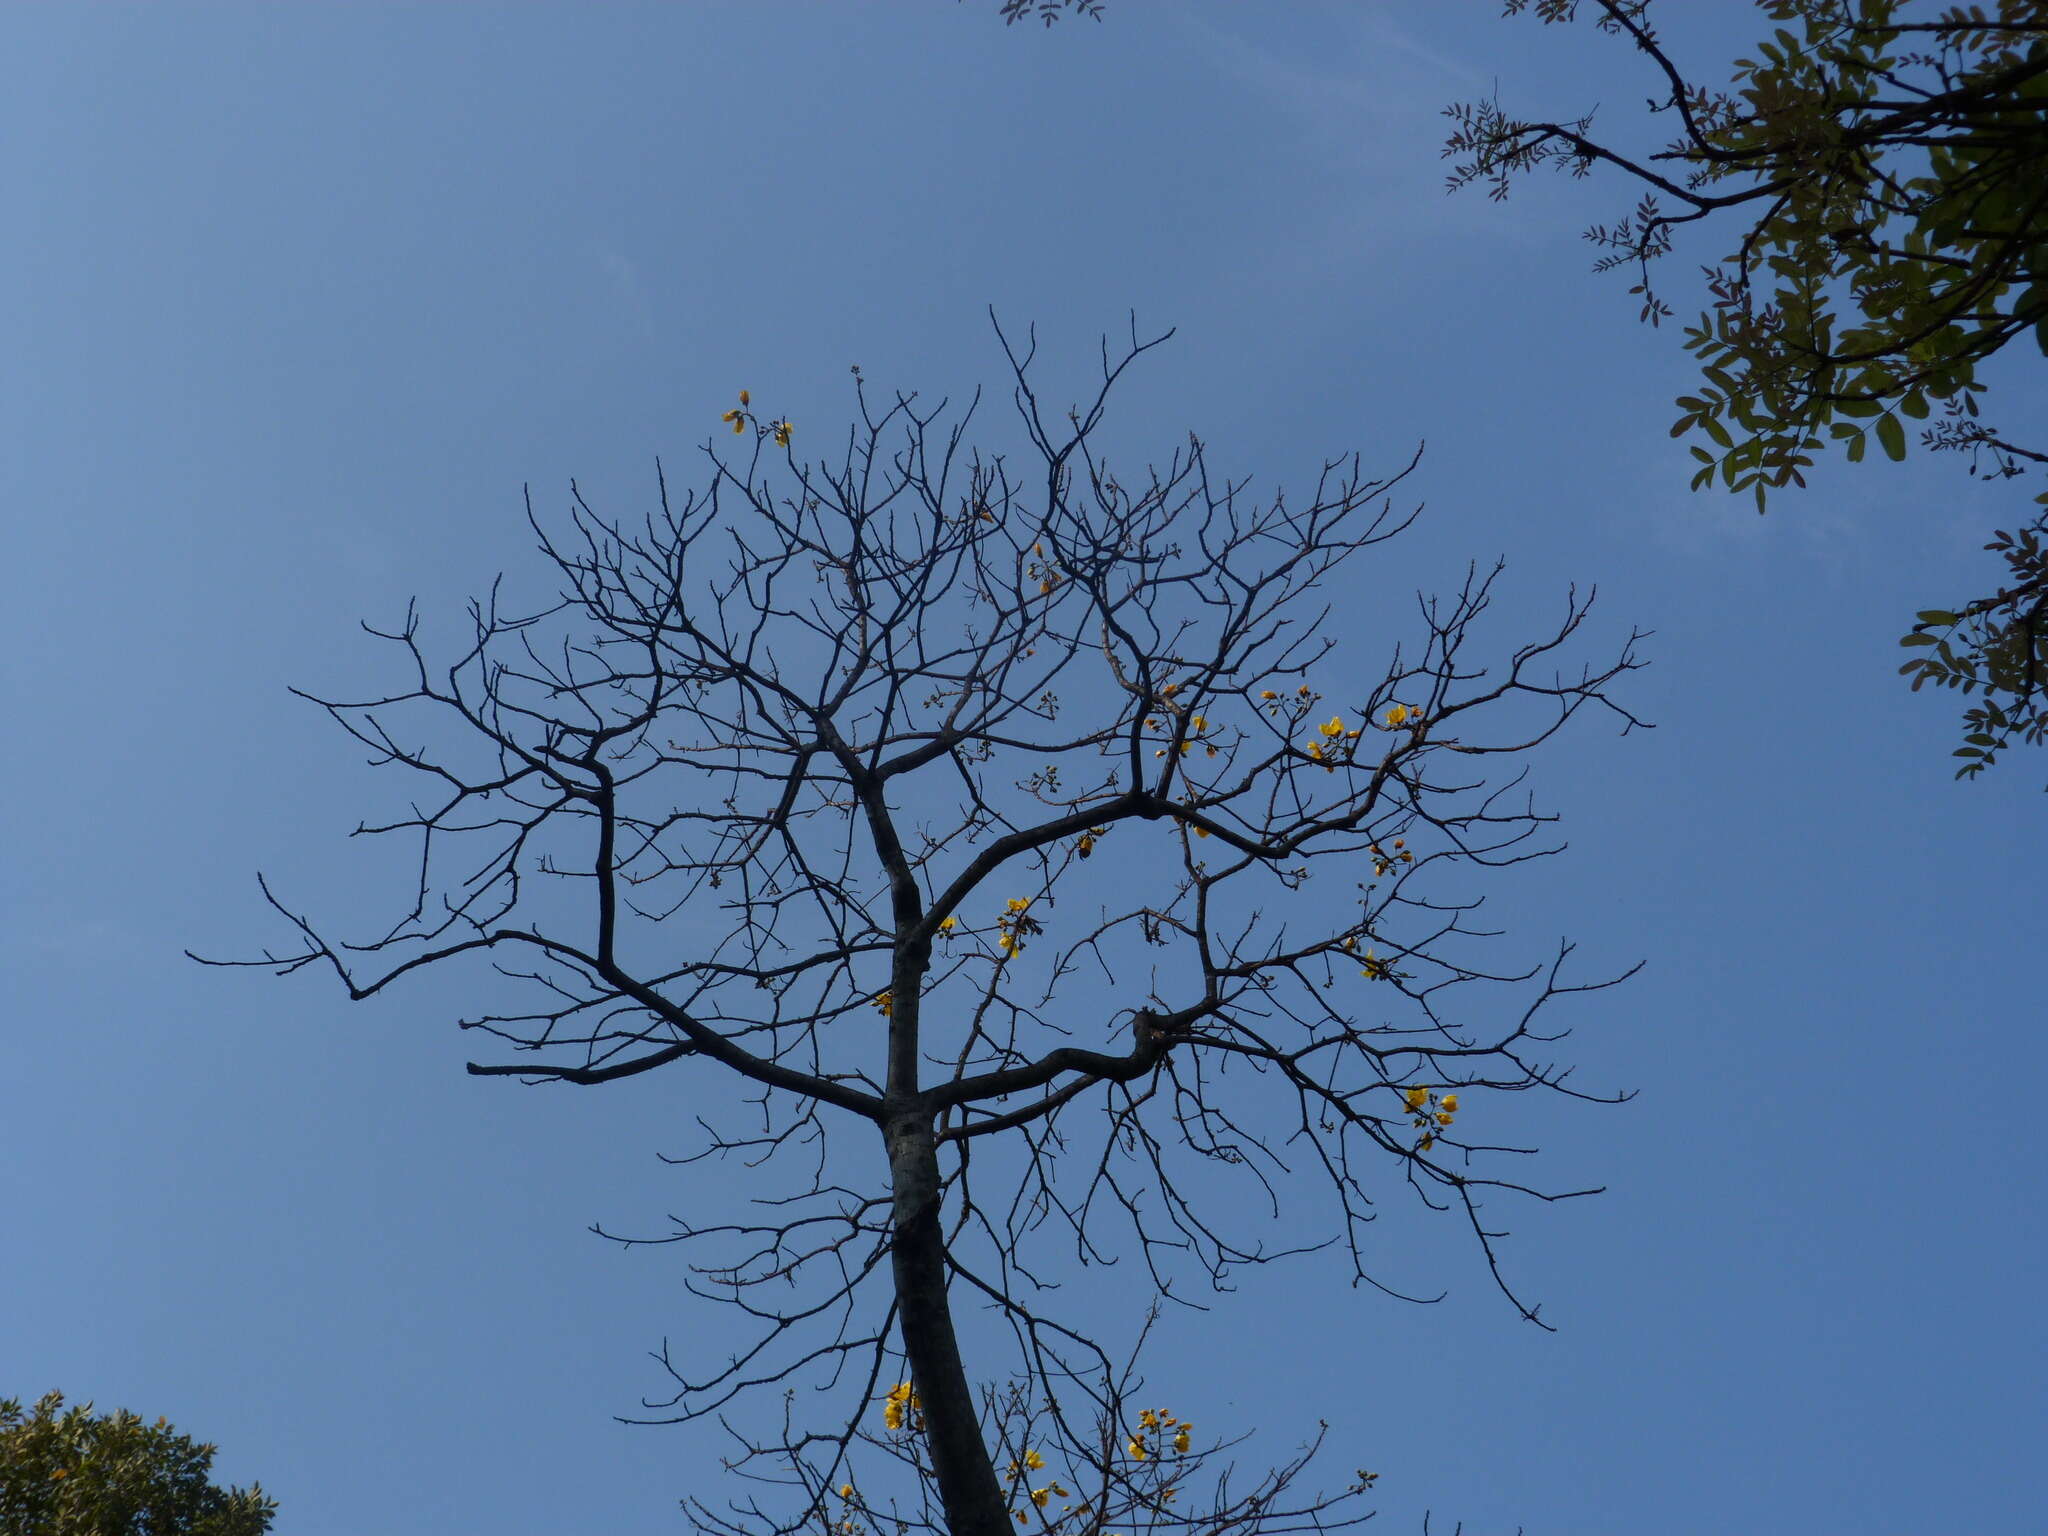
(968, 1488)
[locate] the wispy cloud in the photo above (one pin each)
(627, 281)
(1366, 119)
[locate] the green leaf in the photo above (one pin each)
(1891, 436)
(1935, 616)
(1916, 639)
(1856, 446)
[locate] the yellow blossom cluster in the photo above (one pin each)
(1032, 1461)
(1158, 1424)
(1013, 924)
(901, 1401)
(1332, 743)
(1198, 726)
(1377, 969)
(1085, 845)
(1271, 697)
(949, 924)
(885, 1003)
(1429, 1112)
(1383, 861)
(1047, 574)
(737, 419)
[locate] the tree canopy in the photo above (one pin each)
(1891, 165)
(64, 1472)
(1002, 858)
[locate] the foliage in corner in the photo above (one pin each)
(1895, 171)
(70, 1474)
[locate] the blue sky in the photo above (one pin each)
(303, 295)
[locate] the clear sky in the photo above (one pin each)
(300, 296)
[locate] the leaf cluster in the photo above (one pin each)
(67, 1473)
(1894, 171)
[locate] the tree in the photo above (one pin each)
(71, 1474)
(979, 811)
(1894, 173)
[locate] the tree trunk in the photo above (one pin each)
(972, 1497)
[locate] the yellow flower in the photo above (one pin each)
(1018, 904)
(1334, 726)
(1040, 1495)
(1086, 844)
(1007, 943)
(1450, 1102)
(1201, 831)
(739, 426)
(1303, 690)
(949, 925)
(1375, 968)
(1149, 1419)
(1199, 723)
(1428, 1142)
(1443, 1119)
(1137, 1449)
(1397, 714)
(1033, 1460)
(1044, 587)
(1169, 690)
(892, 1415)
(1267, 693)
(1417, 1097)
(1181, 1441)
(846, 1490)
(885, 1003)
(745, 398)
(1349, 942)
(782, 434)
(1315, 750)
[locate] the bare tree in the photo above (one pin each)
(1016, 821)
